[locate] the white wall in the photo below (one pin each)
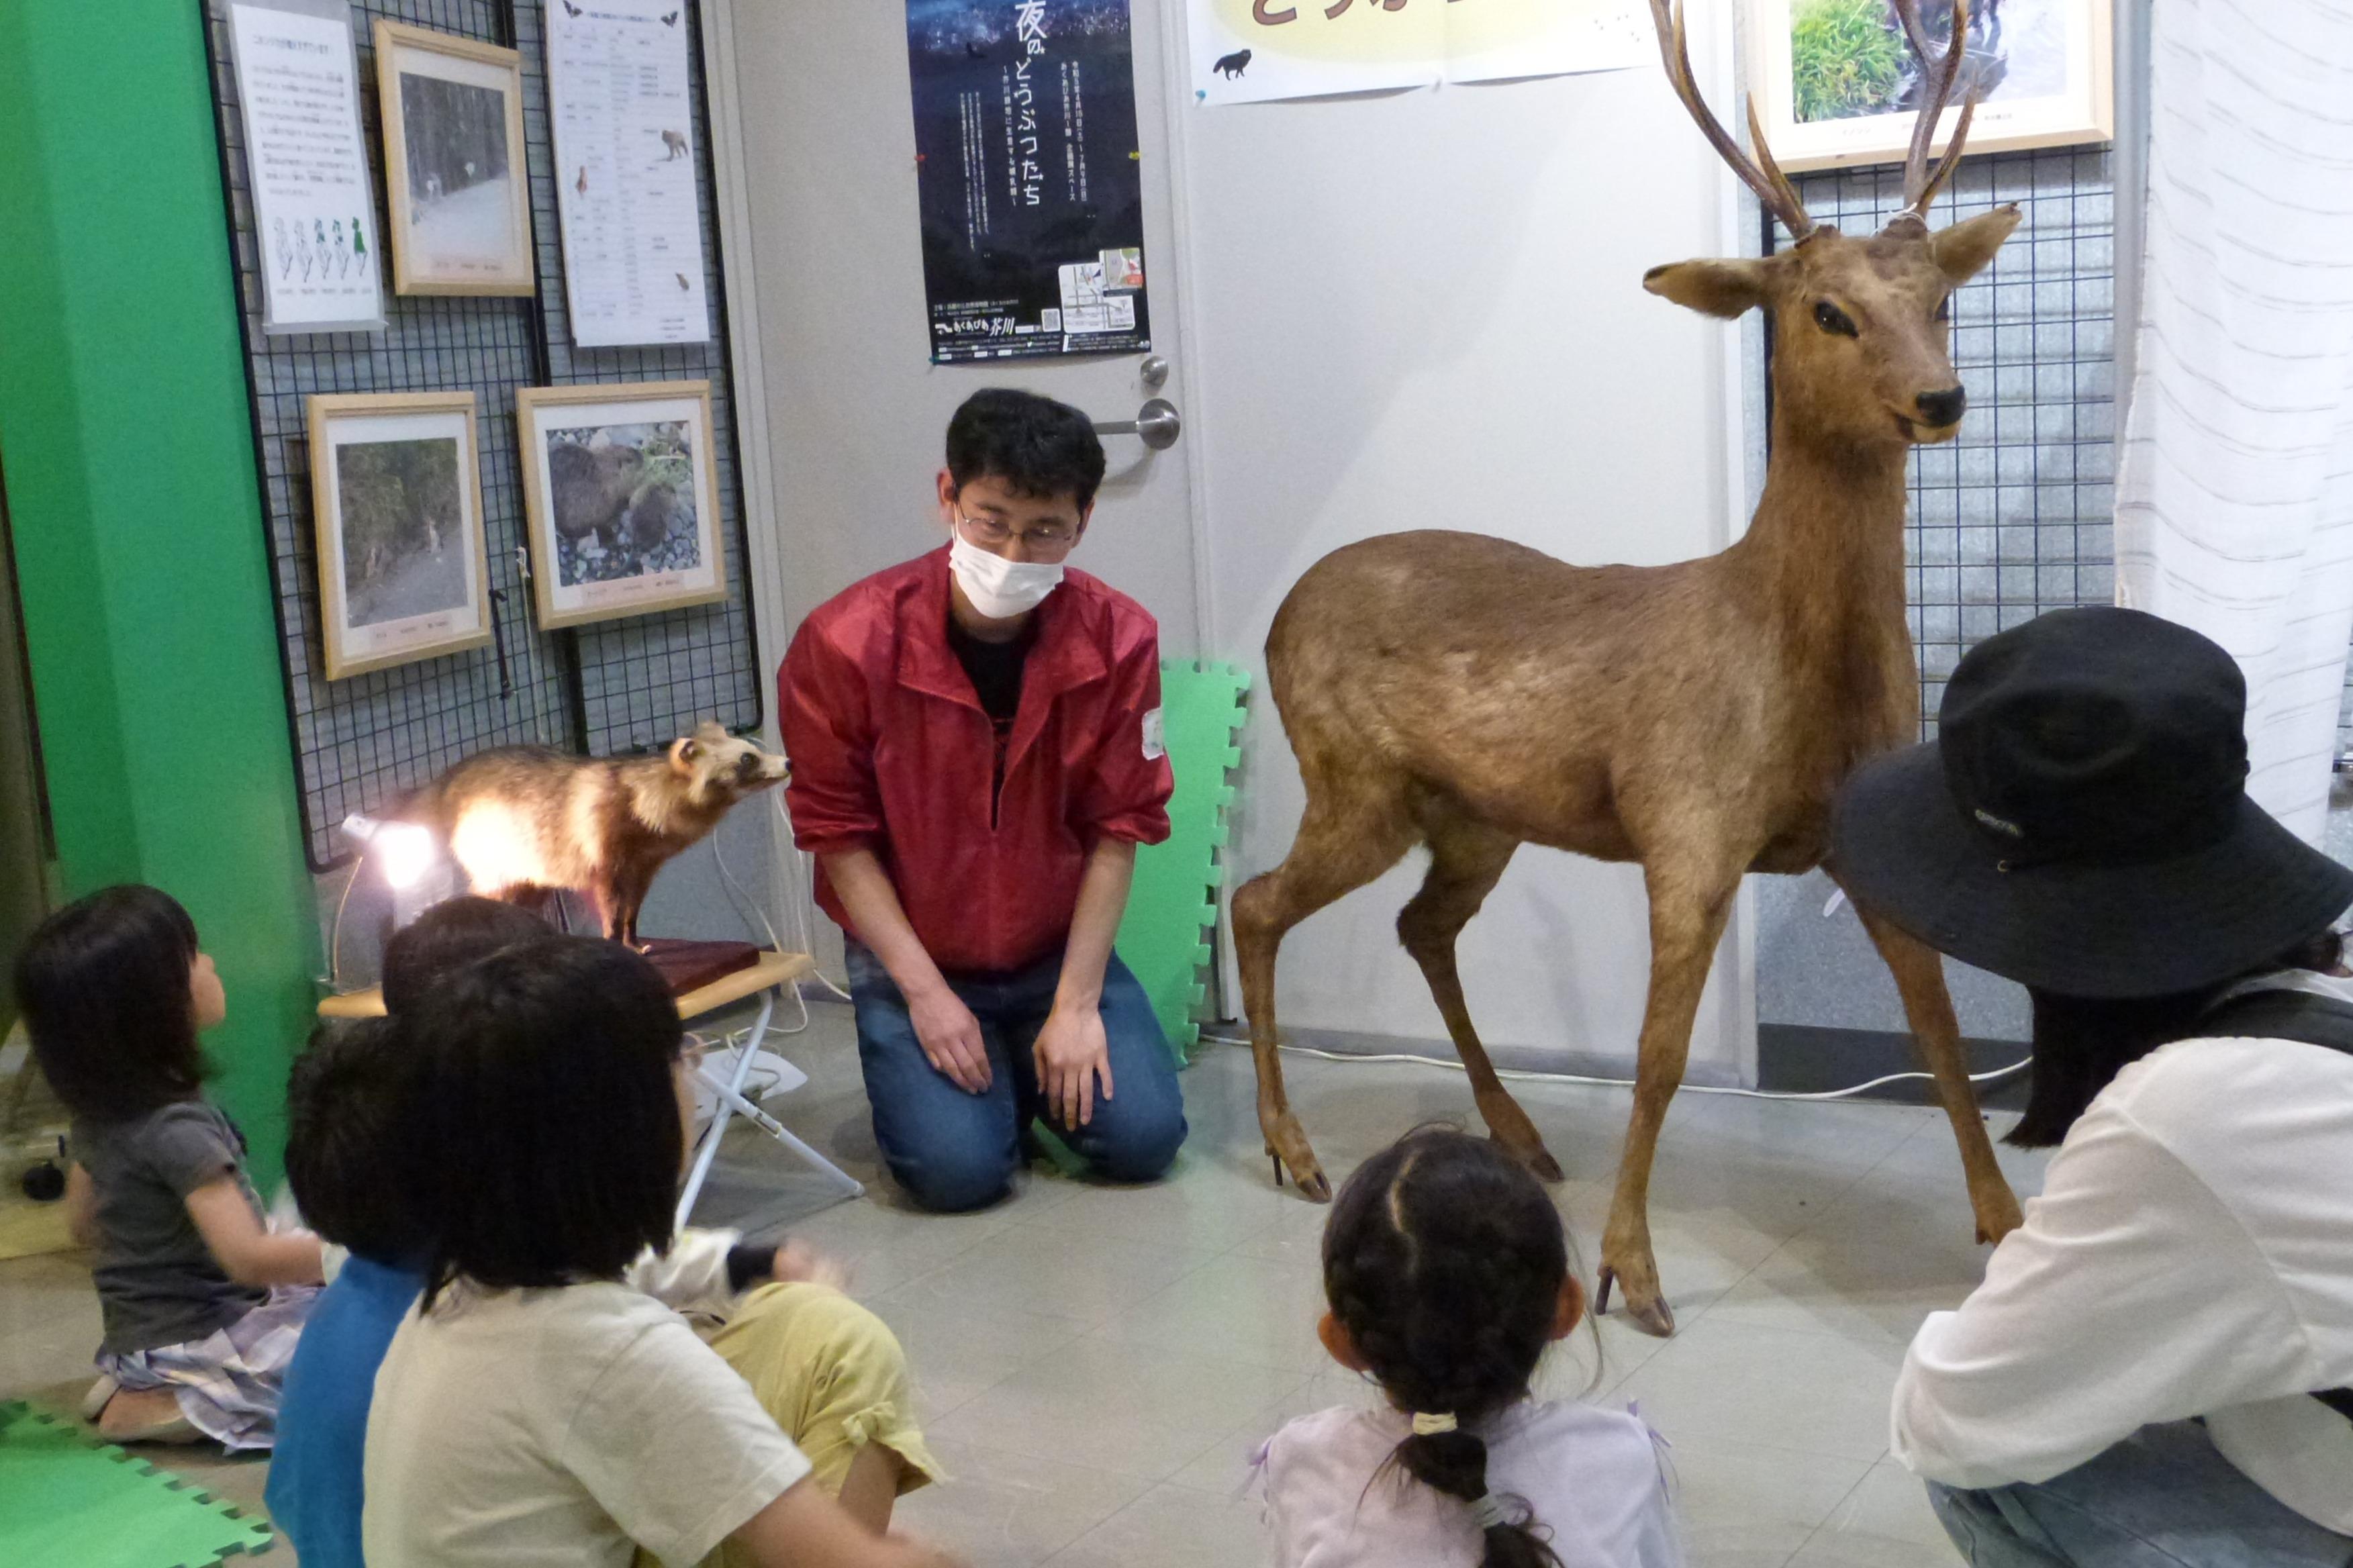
(1425, 310)
(856, 413)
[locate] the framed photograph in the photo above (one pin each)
(397, 499)
(622, 499)
(453, 164)
(1837, 83)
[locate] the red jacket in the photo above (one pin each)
(892, 751)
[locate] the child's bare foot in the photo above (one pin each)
(145, 1415)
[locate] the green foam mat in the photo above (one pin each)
(1174, 901)
(70, 1502)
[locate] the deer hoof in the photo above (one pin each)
(1998, 1219)
(1530, 1152)
(1287, 1144)
(1652, 1316)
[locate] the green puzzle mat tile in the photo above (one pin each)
(1174, 901)
(69, 1502)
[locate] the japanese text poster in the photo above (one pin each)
(1028, 174)
(622, 105)
(1247, 51)
(306, 164)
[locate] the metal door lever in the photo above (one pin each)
(1155, 424)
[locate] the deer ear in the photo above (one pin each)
(1711, 287)
(1963, 249)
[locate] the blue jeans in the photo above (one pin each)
(953, 1150)
(2161, 1498)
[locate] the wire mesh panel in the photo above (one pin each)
(643, 679)
(2016, 516)
(360, 742)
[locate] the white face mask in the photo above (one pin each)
(998, 588)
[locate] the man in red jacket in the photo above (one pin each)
(976, 746)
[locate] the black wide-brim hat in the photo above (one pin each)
(2081, 824)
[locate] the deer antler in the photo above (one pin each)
(1771, 185)
(1938, 79)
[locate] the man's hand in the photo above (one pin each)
(950, 1037)
(1071, 1054)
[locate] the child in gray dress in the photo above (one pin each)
(202, 1301)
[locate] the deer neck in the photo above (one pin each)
(1827, 539)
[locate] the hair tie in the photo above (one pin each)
(1490, 1510)
(1428, 1426)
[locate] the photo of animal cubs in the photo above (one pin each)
(622, 500)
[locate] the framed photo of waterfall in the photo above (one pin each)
(620, 499)
(1838, 82)
(397, 503)
(453, 157)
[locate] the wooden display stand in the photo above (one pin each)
(766, 977)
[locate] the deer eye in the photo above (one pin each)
(1830, 319)
(1944, 309)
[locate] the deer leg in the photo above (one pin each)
(1345, 841)
(1920, 979)
(1467, 860)
(1687, 916)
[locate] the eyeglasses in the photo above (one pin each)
(1046, 538)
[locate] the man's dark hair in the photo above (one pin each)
(447, 937)
(2081, 1042)
(1040, 447)
(547, 1145)
(349, 1104)
(104, 986)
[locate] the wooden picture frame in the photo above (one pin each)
(397, 512)
(1832, 77)
(458, 189)
(622, 499)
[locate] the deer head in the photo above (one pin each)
(1861, 327)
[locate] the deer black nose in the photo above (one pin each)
(1942, 409)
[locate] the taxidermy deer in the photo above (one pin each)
(1471, 695)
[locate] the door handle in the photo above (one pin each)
(1155, 424)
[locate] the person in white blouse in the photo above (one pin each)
(2155, 1368)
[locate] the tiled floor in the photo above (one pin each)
(1095, 1364)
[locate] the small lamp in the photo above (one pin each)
(408, 859)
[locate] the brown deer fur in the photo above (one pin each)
(1471, 695)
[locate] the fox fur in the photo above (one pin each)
(525, 822)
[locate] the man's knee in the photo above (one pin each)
(954, 1180)
(1142, 1146)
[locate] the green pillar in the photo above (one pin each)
(126, 446)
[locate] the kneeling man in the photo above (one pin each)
(976, 745)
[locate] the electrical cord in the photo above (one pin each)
(805, 896)
(1521, 1075)
(335, 933)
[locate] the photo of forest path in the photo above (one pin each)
(404, 549)
(461, 191)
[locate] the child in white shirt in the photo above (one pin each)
(534, 1408)
(1446, 1271)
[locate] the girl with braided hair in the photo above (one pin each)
(1448, 1276)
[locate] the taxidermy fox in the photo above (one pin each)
(525, 822)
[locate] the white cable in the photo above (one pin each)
(1523, 1076)
(335, 934)
(801, 898)
(738, 897)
